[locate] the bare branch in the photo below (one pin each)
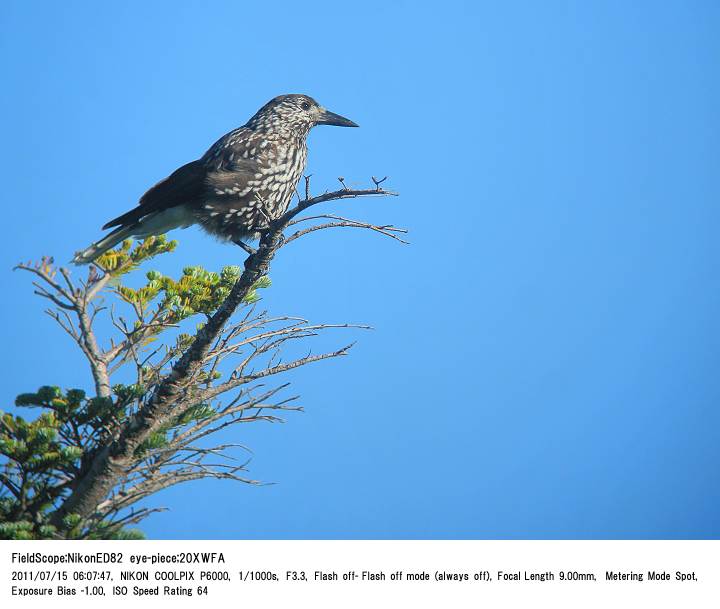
(65, 326)
(388, 229)
(227, 386)
(179, 389)
(45, 271)
(41, 291)
(195, 431)
(76, 302)
(378, 182)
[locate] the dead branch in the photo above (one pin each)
(71, 298)
(114, 463)
(388, 229)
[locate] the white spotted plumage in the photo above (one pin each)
(245, 180)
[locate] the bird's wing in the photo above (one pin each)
(233, 164)
(231, 178)
(223, 169)
(182, 185)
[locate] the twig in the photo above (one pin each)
(388, 230)
(113, 460)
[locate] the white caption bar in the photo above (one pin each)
(357, 573)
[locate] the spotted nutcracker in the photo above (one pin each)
(246, 179)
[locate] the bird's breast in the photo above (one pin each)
(240, 208)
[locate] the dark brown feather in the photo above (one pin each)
(246, 179)
(183, 185)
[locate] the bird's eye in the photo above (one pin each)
(305, 105)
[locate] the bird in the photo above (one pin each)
(244, 181)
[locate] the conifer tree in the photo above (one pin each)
(84, 462)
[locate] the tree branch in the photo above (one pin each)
(107, 467)
(388, 230)
(78, 302)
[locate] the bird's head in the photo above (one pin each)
(295, 115)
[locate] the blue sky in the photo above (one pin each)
(544, 358)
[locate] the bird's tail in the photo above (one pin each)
(98, 248)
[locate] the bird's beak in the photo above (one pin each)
(330, 118)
